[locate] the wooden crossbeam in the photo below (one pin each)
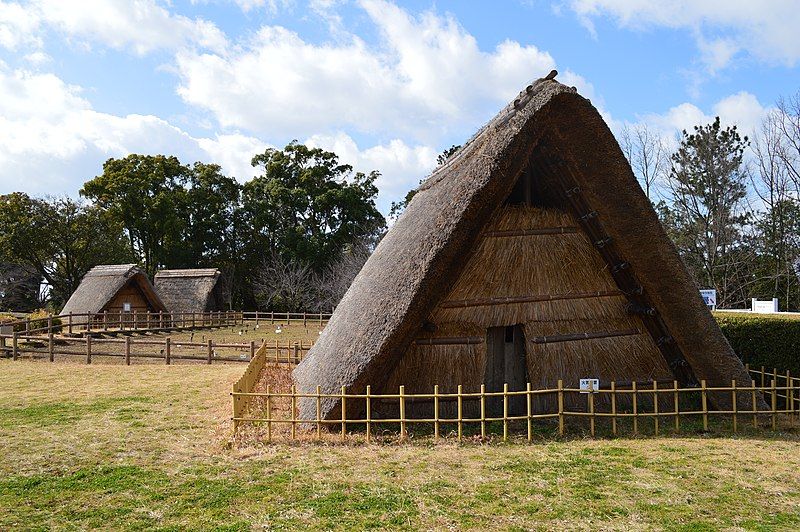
(527, 299)
(452, 340)
(531, 232)
(556, 338)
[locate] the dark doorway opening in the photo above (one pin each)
(505, 364)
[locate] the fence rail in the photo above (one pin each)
(168, 349)
(87, 323)
(666, 408)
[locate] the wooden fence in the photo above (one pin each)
(168, 349)
(109, 322)
(662, 408)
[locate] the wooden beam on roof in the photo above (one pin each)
(562, 180)
(572, 337)
(527, 299)
(530, 232)
(451, 340)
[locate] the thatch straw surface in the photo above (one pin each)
(100, 284)
(191, 290)
(417, 264)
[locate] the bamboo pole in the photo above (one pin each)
(754, 404)
(369, 413)
(704, 393)
(613, 408)
(344, 410)
(763, 376)
(483, 411)
(735, 409)
(635, 398)
(774, 405)
(560, 407)
(127, 351)
(294, 411)
(655, 408)
(505, 411)
(677, 407)
(436, 412)
(460, 412)
(318, 400)
(529, 410)
(590, 399)
(269, 413)
(402, 412)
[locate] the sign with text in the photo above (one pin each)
(710, 298)
(589, 385)
(764, 307)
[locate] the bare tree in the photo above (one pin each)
(647, 155)
(337, 278)
(786, 122)
(285, 283)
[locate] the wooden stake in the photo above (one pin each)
(505, 412)
(252, 349)
(774, 404)
(733, 398)
(319, 412)
(209, 351)
(14, 345)
(613, 408)
(269, 412)
(50, 345)
(369, 413)
(677, 407)
(88, 349)
(590, 399)
(530, 411)
(436, 412)
(460, 412)
(402, 412)
(127, 350)
(755, 405)
(655, 407)
(344, 409)
(294, 411)
(167, 350)
(635, 409)
(705, 404)
(483, 411)
(560, 407)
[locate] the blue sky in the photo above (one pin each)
(385, 85)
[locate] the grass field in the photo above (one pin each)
(148, 446)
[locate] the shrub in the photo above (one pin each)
(770, 341)
(39, 320)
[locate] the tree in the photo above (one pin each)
(647, 155)
(145, 194)
(60, 239)
(284, 283)
(309, 206)
(708, 188)
(398, 207)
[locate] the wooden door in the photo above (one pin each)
(505, 364)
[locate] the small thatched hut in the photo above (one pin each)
(114, 288)
(531, 255)
(191, 290)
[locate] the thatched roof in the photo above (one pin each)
(417, 262)
(102, 283)
(191, 290)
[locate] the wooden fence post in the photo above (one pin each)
(69, 323)
(252, 349)
(677, 407)
(27, 326)
(402, 412)
(560, 407)
(460, 412)
(50, 346)
(344, 410)
(209, 351)
(269, 411)
(436, 412)
(14, 345)
(613, 408)
(505, 411)
(369, 413)
(774, 404)
(755, 404)
(319, 412)
(483, 411)
(294, 411)
(127, 350)
(167, 350)
(635, 399)
(655, 407)
(735, 416)
(88, 348)
(704, 393)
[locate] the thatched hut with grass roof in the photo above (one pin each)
(531, 255)
(191, 290)
(114, 288)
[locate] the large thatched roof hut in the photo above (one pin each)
(114, 288)
(191, 290)
(532, 255)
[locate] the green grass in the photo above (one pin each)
(147, 446)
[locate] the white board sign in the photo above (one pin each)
(710, 298)
(764, 307)
(589, 384)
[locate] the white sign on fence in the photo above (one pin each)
(590, 384)
(764, 307)
(710, 298)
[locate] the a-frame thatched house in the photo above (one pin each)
(532, 255)
(192, 290)
(114, 288)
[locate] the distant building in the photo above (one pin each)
(192, 290)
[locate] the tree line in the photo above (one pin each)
(291, 238)
(294, 237)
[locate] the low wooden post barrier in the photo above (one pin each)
(252, 349)
(127, 350)
(210, 351)
(167, 350)
(14, 345)
(88, 348)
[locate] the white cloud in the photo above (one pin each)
(137, 25)
(426, 77)
(766, 30)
